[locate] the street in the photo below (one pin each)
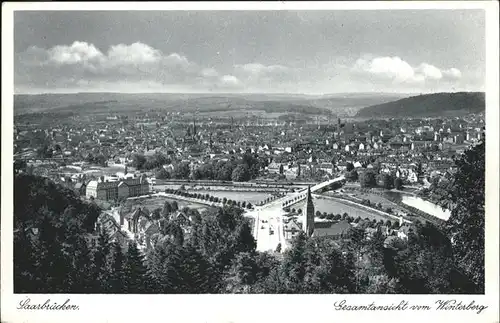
(269, 230)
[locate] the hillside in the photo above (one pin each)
(428, 105)
(341, 105)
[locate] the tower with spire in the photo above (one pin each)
(308, 214)
(194, 128)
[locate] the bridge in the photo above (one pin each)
(296, 197)
(269, 218)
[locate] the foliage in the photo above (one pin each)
(398, 183)
(240, 174)
(57, 249)
(367, 179)
(428, 105)
(386, 181)
(466, 199)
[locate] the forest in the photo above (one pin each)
(57, 250)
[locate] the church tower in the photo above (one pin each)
(308, 214)
(194, 128)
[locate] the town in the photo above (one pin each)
(380, 173)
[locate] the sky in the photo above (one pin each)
(307, 52)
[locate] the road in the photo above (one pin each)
(272, 215)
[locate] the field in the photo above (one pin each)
(331, 206)
(374, 198)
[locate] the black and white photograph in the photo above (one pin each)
(159, 152)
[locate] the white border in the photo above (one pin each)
(248, 308)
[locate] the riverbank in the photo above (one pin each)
(383, 214)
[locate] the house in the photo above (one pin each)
(131, 221)
(151, 229)
(79, 189)
(107, 222)
(331, 230)
(291, 229)
(404, 231)
(182, 218)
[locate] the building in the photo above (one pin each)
(79, 189)
(124, 188)
(291, 229)
(308, 214)
(331, 230)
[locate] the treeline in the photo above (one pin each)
(217, 253)
(434, 104)
(210, 198)
(237, 170)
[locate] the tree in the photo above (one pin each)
(367, 179)
(352, 175)
(117, 273)
(135, 271)
(138, 161)
(281, 170)
(102, 265)
(167, 209)
(175, 206)
(242, 274)
(398, 183)
(240, 174)
(162, 173)
(387, 181)
(465, 227)
(157, 213)
(182, 171)
(349, 167)
(244, 239)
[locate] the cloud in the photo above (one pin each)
(78, 52)
(81, 64)
(137, 53)
(452, 73)
(137, 67)
(272, 77)
(209, 72)
(399, 71)
(429, 72)
(230, 81)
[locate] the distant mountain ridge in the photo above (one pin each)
(428, 105)
(341, 105)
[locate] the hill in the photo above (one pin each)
(428, 105)
(340, 104)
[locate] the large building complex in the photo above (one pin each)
(124, 188)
